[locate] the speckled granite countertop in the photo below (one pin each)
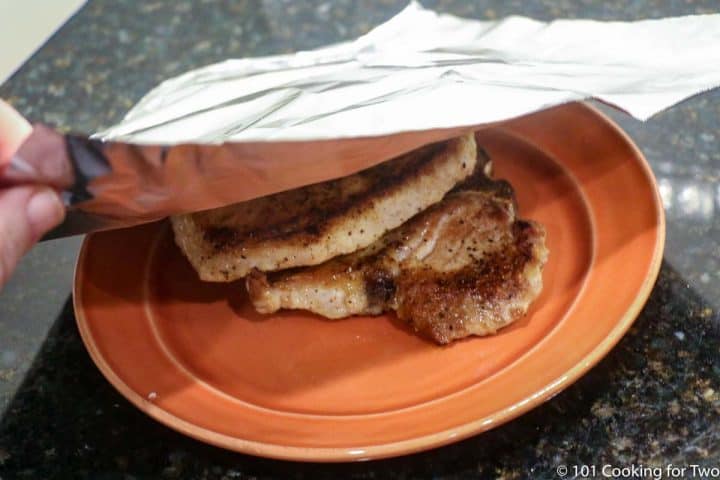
(654, 400)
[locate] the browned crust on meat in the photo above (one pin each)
(309, 225)
(435, 303)
(499, 276)
(313, 224)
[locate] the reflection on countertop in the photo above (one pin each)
(689, 199)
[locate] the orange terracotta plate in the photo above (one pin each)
(196, 357)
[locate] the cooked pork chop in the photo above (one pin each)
(310, 225)
(466, 266)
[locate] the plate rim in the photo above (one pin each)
(416, 444)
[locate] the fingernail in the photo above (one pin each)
(45, 211)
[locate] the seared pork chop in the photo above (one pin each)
(310, 225)
(465, 266)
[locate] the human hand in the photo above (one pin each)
(27, 212)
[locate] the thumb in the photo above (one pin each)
(14, 129)
(26, 214)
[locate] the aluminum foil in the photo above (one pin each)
(245, 128)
